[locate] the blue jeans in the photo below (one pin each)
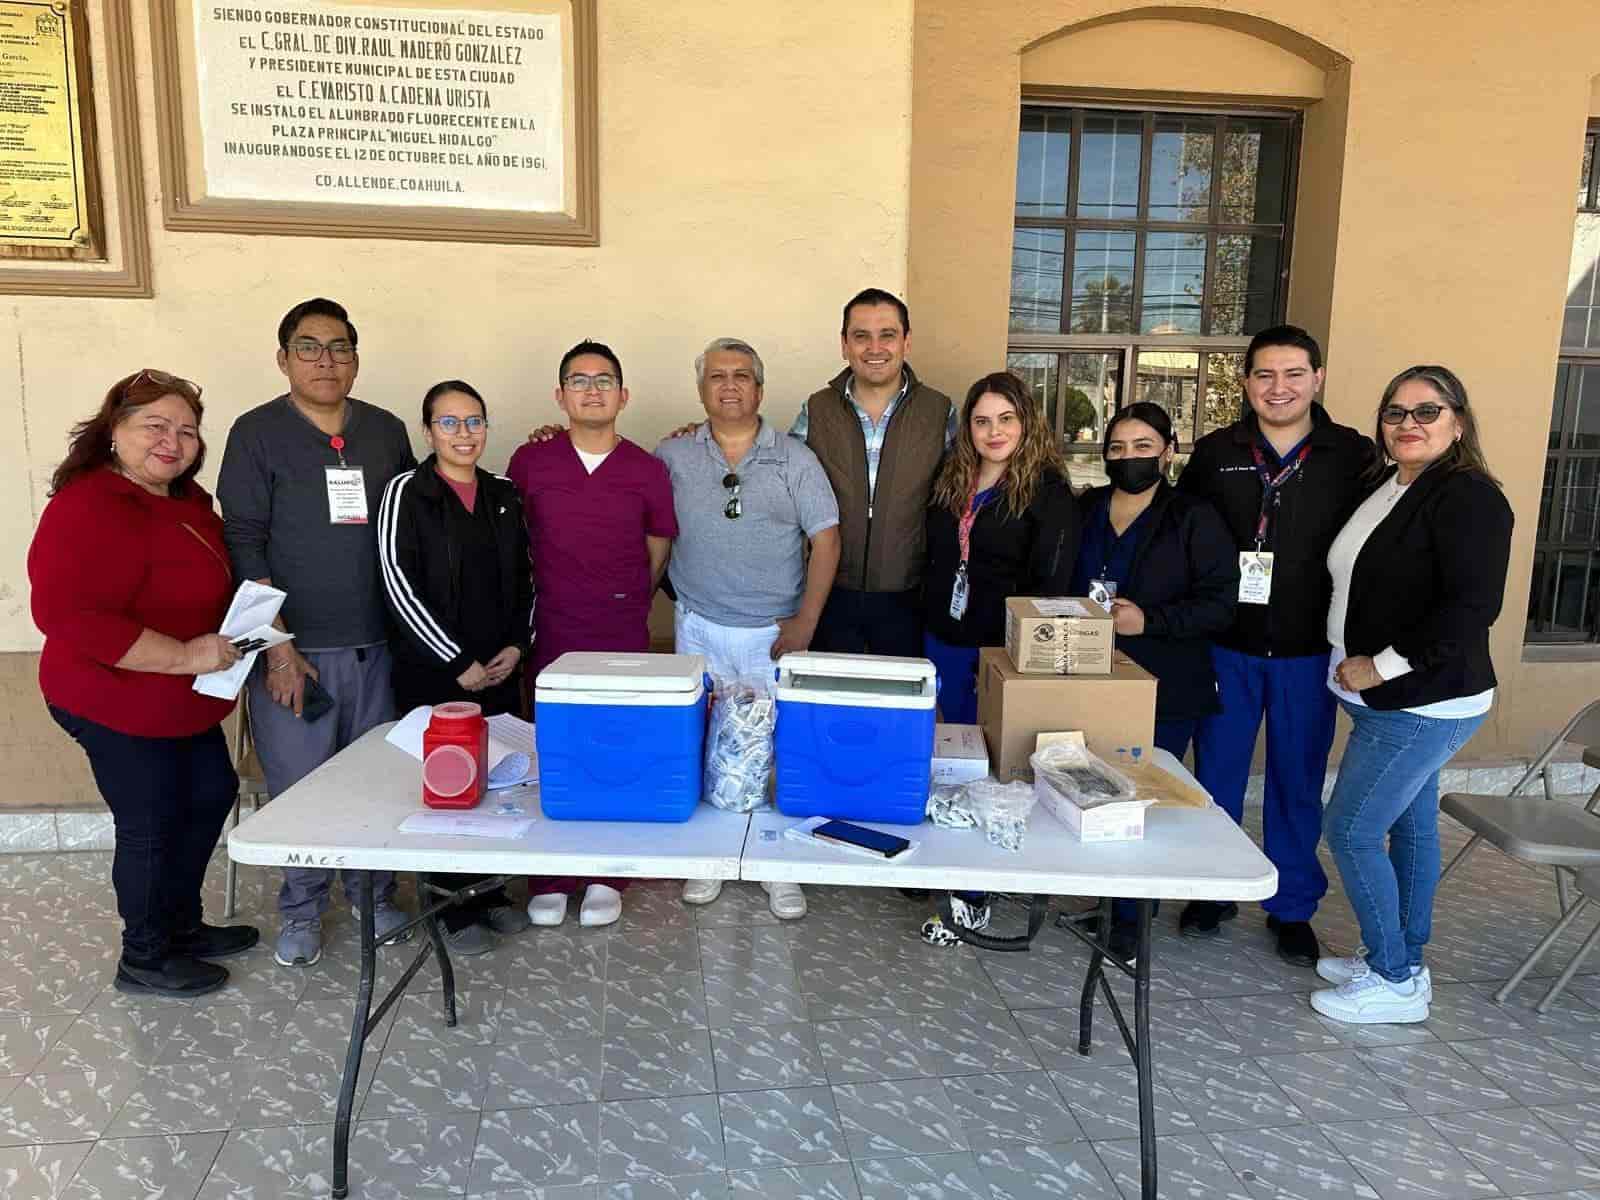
(1389, 786)
(958, 679)
(1292, 694)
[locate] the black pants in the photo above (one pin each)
(168, 798)
(871, 623)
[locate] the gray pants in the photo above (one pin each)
(290, 748)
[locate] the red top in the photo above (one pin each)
(586, 537)
(467, 493)
(108, 561)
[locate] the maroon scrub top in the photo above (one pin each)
(586, 539)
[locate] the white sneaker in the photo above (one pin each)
(602, 905)
(701, 891)
(1367, 998)
(1342, 970)
(786, 900)
(549, 908)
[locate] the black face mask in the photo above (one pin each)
(1134, 475)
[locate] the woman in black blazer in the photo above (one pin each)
(1172, 566)
(1418, 575)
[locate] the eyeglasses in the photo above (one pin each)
(1422, 414)
(161, 379)
(734, 508)
(310, 350)
(452, 425)
(582, 383)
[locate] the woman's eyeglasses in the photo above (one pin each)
(734, 508)
(453, 425)
(162, 379)
(1422, 414)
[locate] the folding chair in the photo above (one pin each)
(252, 783)
(1539, 831)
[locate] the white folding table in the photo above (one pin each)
(1186, 854)
(346, 814)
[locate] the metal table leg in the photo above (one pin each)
(1136, 1039)
(358, 1038)
(366, 1019)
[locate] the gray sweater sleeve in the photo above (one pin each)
(244, 489)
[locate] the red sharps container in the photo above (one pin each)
(455, 756)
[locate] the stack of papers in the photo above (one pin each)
(467, 824)
(251, 614)
(512, 758)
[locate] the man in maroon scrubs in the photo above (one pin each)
(600, 526)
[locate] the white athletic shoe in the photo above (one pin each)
(701, 891)
(1342, 970)
(1367, 998)
(548, 909)
(786, 900)
(602, 905)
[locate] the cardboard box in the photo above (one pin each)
(1116, 712)
(959, 754)
(1060, 635)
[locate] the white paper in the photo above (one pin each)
(250, 615)
(443, 823)
(511, 754)
(1060, 608)
(407, 731)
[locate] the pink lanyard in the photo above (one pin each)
(964, 526)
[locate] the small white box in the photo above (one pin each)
(1118, 821)
(959, 754)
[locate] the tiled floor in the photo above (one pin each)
(716, 1053)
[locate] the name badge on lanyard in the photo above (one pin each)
(347, 490)
(1255, 567)
(958, 590)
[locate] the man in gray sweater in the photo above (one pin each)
(300, 485)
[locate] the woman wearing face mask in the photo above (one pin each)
(1002, 522)
(1167, 565)
(454, 552)
(1419, 571)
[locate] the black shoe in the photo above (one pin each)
(215, 941)
(179, 975)
(1203, 918)
(1297, 944)
(1125, 941)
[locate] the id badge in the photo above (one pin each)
(1103, 592)
(347, 496)
(958, 594)
(1255, 576)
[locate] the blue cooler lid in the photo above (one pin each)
(595, 671)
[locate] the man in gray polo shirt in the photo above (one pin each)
(748, 499)
(301, 481)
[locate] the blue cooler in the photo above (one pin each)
(620, 736)
(855, 736)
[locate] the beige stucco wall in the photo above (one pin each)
(753, 175)
(1450, 212)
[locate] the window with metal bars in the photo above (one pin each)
(1148, 246)
(1564, 601)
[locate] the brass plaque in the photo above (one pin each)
(43, 183)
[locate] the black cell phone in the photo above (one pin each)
(885, 844)
(317, 703)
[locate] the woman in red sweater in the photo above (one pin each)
(130, 582)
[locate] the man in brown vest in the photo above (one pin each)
(880, 434)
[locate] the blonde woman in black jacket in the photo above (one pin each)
(1418, 571)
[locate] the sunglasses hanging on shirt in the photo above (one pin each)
(734, 508)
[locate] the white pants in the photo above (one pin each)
(732, 653)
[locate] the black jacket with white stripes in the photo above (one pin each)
(422, 530)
